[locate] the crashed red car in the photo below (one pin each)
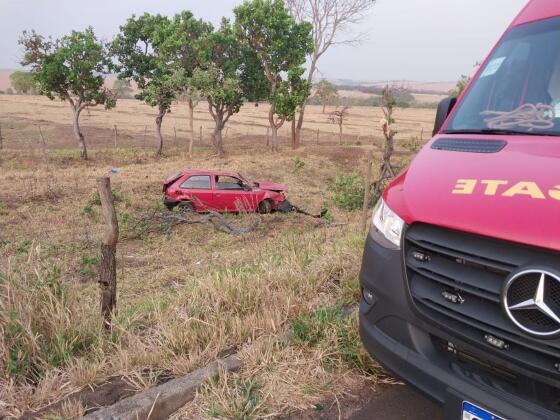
(195, 190)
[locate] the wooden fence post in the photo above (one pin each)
(200, 136)
(367, 184)
(42, 137)
(175, 133)
(267, 136)
(108, 266)
(116, 135)
(317, 136)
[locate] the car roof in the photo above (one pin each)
(537, 10)
(209, 172)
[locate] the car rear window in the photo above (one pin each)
(197, 182)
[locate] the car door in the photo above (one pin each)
(198, 190)
(230, 194)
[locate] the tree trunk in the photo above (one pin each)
(274, 139)
(191, 126)
(274, 129)
(312, 69)
(217, 140)
(324, 107)
(159, 121)
(295, 142)
(108, 266)
(78, 133)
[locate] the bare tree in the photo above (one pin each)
(388, 170)
(337, 117)
(329, 18)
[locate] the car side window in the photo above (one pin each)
(224, 182)
(197, 182)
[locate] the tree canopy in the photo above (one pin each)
(23, 82)
(326, 92)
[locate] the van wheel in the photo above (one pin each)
(185, 207)
(265, 207)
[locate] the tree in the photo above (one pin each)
(137, 48)
(280, 44)
(181, 47)
(70, 68)
(23, 82)
(122, 88)
(326, 92)
(218, 79)
(337, 117)
(387, 170)
(460, 86)
(329, 18)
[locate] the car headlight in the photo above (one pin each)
(388, 223)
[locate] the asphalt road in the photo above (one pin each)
(399, 402)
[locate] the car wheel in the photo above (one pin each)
(265, 207)
(185, 207)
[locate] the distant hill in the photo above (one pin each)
(413, 86)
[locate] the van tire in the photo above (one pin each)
(265, 207)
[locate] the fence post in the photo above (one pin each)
(367, 190)
(200, 136)
(267, 136)
(1, 138)
(116, 135)
(175, 133)
(317, 136)
(108, 266)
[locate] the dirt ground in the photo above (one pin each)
(186, 296)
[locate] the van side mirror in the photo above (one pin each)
(443, 110)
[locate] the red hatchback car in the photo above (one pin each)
(194, 190)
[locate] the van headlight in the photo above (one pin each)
(388, 223)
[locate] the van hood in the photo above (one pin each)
(512, 194)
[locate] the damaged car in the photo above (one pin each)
(222, 191)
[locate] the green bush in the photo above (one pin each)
(348, 191)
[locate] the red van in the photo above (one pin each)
(461, 269)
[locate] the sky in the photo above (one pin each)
(421, 40)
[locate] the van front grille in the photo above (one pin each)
(455, 281)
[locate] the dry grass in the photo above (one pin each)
(184, 298)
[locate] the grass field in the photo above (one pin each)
(277, 295)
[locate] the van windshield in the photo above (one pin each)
(518, 90)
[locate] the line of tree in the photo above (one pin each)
(259, 57)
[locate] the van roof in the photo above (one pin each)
(537, 10)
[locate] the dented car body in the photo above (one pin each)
(461, 269)
(221, 191)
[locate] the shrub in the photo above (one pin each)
(299, 164)
(348, 191)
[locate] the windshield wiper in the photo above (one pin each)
(490, 131)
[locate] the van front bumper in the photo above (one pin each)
(420, 353)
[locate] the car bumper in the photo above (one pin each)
(411, 348)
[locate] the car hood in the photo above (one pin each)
(516, 193)
(271, 186)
